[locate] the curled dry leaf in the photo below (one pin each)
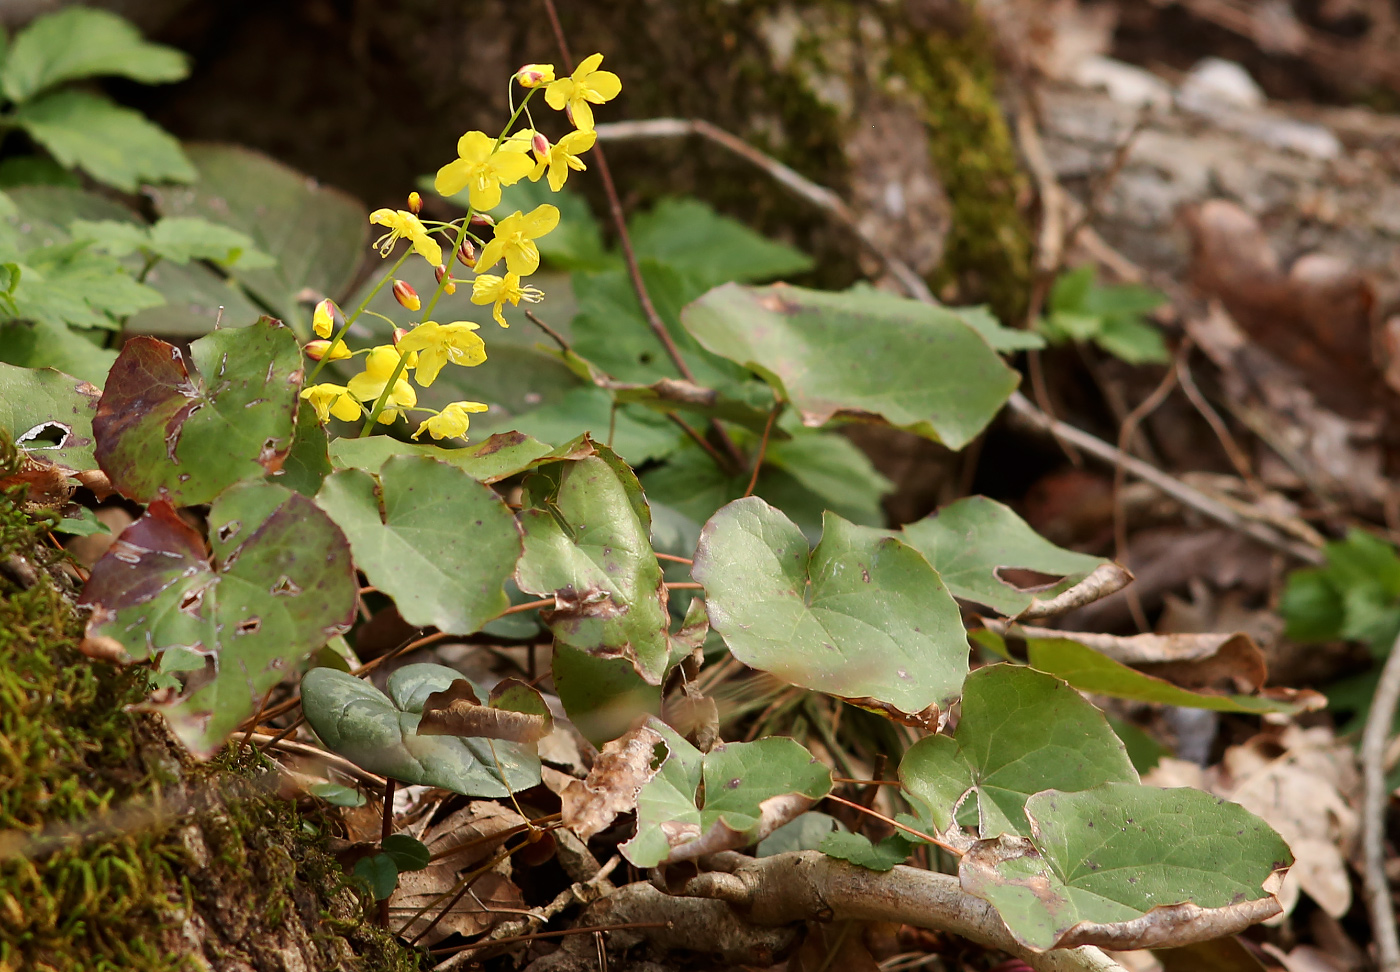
(1105, 579)
(621, 770)
(1194, 661)
(514, 711)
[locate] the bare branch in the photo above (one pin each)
(1375, 796)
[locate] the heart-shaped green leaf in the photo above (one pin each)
(728, 798)
(917, 366)
(1129, 866)
(863, 616)
(969, 542)
(164, 432)
(49, 415)
(1020, 732)
(437, 541)
(491, 460)
(278, 585)
(587, 543)
(380, 734)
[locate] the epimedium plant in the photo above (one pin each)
(270, 489)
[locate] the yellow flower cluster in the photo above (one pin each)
(484, 165)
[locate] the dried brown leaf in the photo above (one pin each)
(456, 711)
(624, 766)
(1105, 579)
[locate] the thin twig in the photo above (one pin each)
(281, 735)
(1237, 456)
(514, 939)
(1374, 800)
(629, 255)
(893, 822)
(674, 559)
(1175, 488)
(1120, 520)
(684, 586)
(701, 441)
(554, 335)
(243, 743)
(386, 830)
(527, 606)
(330, 759)
(762, 450)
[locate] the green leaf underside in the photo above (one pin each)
(1021, 732)
(164, 432)
(587, 543)
(379, 872)
(919, 367)
(279, 585)
(316, 234)
(967, 541)
(48, 414)
(437, 541)
(380, 733)
(114, 145)
(491, 460)
(1091, 671)
(863, 616)
(81, 42)
(1113, 853)
(737, 778)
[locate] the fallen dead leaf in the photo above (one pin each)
(624, 766)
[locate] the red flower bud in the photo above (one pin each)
(440, 271)
(406, 295)
(482, 219)
(467, 254)
(415, 203)
(540, 144)
(399, 333)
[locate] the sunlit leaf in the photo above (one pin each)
(437, 541)
(863, 616)
(917, 366)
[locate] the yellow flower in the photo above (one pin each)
(481, 171)
(330, 400)
(405, 226)
(491, 289)
(534, 75)
(369, 384)
(585, 85)
(318, 350)
(452, 421)
(323, 318)
(563, 156)
(514, 240)
(438, 344)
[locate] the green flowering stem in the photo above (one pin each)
(340, 334)
(466, 220)
(383, 396)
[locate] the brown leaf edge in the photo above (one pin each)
(625, 765)
(456, 711)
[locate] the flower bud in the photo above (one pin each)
(399, 333)
(482, 219)
(534, 75)
(440, 271)
(467, 254)
(406, 295)
(325, 318)
(540, 144)
(415, 203)
(316, 350)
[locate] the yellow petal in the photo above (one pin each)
(575, 143)
(491, 253)
(475, 146)
(484, 197)
(558, 172)
(383, 217)
(346, 408)
(511, 167)
(583, 115)
(541, 220)
(523, 259)
(602, 86)
(558, 93)
(587, 66)
(428, 248)
(452, 178)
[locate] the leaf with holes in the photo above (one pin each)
(863, 616)
(437, 541)
(587, 544)
(971, 542)
(918, 367)
(276, 585)
(49, 415)
(380, 733)
(1020, 732)
(733, 796)
(1129, 866)
(165, 432)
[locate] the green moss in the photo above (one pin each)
(94, 873)
(988, 250)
